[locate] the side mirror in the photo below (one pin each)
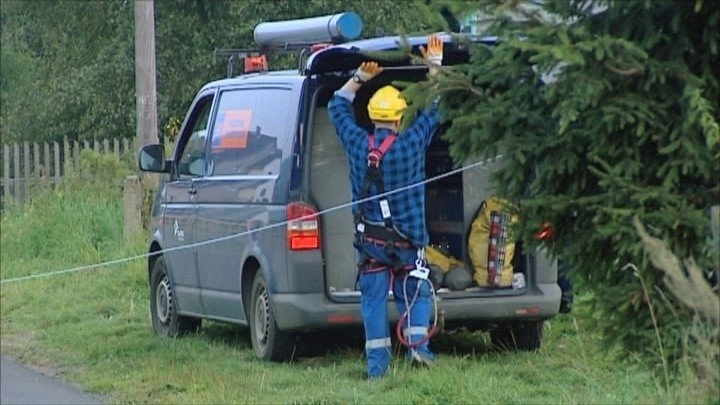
(152, 159)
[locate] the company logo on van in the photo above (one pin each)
(179, 233)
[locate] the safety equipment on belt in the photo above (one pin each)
(490, 248)
(421, 273)
(386, 105)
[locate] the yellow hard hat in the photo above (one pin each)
(386, 105)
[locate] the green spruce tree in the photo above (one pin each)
(603, 111)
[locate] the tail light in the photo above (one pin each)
(303, 228)
(545, 233)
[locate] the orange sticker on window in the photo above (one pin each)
(234, 130)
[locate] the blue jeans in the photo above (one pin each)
(374, 287)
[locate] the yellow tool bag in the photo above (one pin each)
(490, 248)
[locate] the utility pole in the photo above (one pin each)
(145, 89)
(146, 130)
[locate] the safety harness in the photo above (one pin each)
(382, 235)
(386, 236)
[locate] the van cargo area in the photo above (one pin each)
(451, 205)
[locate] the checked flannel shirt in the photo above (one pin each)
(402, 165)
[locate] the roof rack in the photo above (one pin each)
(303, 49)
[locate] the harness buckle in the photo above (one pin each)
(374, 157)
(389, 247)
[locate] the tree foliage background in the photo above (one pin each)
(603, 111)
(68, 67)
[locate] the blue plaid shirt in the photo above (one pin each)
(402, 165)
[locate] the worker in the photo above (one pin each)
(390, 230)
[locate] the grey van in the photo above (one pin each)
(251, 223)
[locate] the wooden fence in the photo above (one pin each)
(26, 165)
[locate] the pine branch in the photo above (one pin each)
(622, 72)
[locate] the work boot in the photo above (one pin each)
(421, 360)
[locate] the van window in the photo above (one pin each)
(192, 154)
(249, 133)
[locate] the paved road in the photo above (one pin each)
(21, 385)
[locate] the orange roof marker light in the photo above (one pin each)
(305, 36)
(256, 64)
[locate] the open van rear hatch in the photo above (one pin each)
(452, 201)
(348, 56)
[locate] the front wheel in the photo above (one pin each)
(163, 305)
(524, 336)
(269, 342)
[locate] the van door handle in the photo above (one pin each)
(192, 191)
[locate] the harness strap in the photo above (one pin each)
(374, 176)
(375, 155)
(383, 242)
(365, 232)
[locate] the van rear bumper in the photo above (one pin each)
(307, 312)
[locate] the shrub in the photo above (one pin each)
(603, 111)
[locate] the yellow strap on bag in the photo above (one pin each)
(489, 246)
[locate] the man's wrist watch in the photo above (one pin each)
(357, 79)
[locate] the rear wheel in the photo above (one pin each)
(163, 305)
(524, 336)
(269, 342)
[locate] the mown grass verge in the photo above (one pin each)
(91, 327)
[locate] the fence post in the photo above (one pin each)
(6, 172)
(36, 159)
(132, 206)
(116, 147)
(56, 148)
(76, 156)
(16, 171)
(26, 171)
(67, 155)
(46, 161)
(37, 168)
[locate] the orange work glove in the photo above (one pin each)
(434, 51)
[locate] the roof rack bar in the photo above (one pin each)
(234, 55)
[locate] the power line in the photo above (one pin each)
(249, 232)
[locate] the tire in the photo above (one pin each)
(522, 336)
(269, 342)
(163, 308)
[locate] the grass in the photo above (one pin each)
(92, 328)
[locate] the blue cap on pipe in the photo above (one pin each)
(347, 25)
